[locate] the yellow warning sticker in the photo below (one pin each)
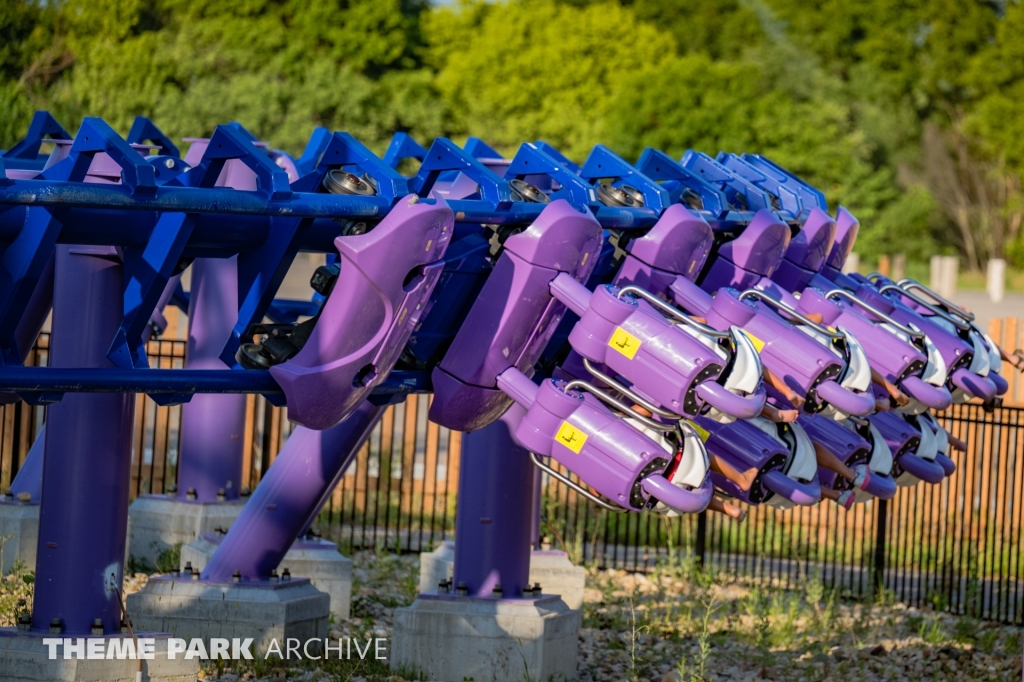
(703, 433)
(624, 342)
(758, 343)
(571, 437)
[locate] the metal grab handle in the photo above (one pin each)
(686, 501)
(908, 283)
(741, 407)
(875, 311)
(803, 494)
(575, 486)
(959, 322)
(618, 404)
(672, 311)
(927, 471)
(625, 390)
(761, 296)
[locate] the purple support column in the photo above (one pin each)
(289, 496)
(30, 475)
(212, 425)
(492, 523)
(83, 516)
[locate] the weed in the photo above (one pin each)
(988, 640)
(576, 546)
(758, 605)
(938, 601)
(699, 671)
(634, 635)
(885, 597)
(932, 632)
(169, 559)
(16, 589)
(704, 638)
(966, 630)
(135, 565)
(1014, 641)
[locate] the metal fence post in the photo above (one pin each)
(879, 563)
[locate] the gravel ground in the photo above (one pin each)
(681, 624)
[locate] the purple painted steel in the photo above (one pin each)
(513, 317)
(157, 321)
(683, 501)
(807, 251)
(606, 452)
(31, 322)
(212, 425)
(743, 446)
(678, 243)
(36, 312)
(848, 402)
(901, 437)
(852, 449)
(741, 407)
(795, 491)
(83, 517)
(982, 387)
(956, 352)
(948, 465)
(795, 357)
(848, 446)
(887, 353)
(928, 471)
(30, 475)
(847, 228)
(662, 362)
(289, 496)
(492, 527)
(752, 255)
(696, 301)
(387, 276)
(1002, 386)
(935, 397)
(881, 486)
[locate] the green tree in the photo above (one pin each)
(536, 69)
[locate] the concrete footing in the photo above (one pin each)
(19, 524)
(262, 610)
(25, 658)
(313, 558)
(157, 523)
(487, 640)
(551, 568)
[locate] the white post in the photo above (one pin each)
(996, 285)
(852, 264)
(935, 273)
(949, 269)
(899, 267)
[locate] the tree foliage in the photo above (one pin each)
(906, 112)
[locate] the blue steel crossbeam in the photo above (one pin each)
(160, 222)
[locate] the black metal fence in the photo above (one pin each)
(955, 546)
